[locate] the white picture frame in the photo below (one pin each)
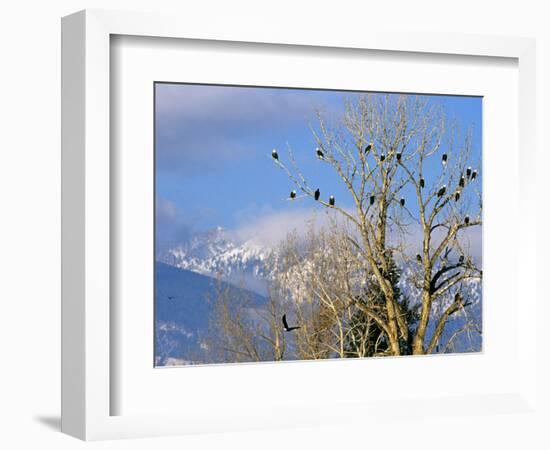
(87, 326)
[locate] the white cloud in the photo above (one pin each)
(233, 103)
(269, 227)
(166, 210)
(207, 127)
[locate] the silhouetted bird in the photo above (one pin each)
(398, 156)
(285, 325)
(402, 201)
(422, 183)
(474, 174)
(444, 159)
(317, 194)
(368, 147)
(371, 199)
(468, 172)
(169, 297)
(467, 220)
(275, 154)
(461, 259)
(418, 257)
(331, 200)
(457, 196)
(382, 157)
(441, 191)
(462, 181)
(320, 154)
(293, 194)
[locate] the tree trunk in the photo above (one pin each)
(418, 343)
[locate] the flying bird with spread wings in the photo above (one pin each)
(285, 325)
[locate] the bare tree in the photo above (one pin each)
(382, 151)
(241, 330)
(314, 276)
(327, 288)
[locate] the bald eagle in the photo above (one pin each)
(441, 191)
(462, 181)
(317, 194)
(444, 159)
(461, 259)
(418, 257)
(368, 147)
(398, 156)
(285, 325)
(457, 196)
(422, 183)
(274, 154)
(382, 157)
(467, 220)
(468, 172)
(371, 199)
(293, 194)
(474, 174)
(331, 200)
(320, 154)
(402, 201)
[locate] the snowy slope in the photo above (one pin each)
(214, 253)
(182, 306)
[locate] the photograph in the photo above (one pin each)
(296, 224)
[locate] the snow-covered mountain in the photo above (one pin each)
(186, 276)
(216, 253)
(188, 271)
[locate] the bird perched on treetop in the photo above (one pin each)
(441, 191)
(444, 159)
(274, 154)
(467, 220)
(331, 200)
(398, 156)
(422, 183)
(474, 174)
(462, 181)
(418, 257)
(457, 196)
(285, 325)
(320, 153)
(402, 201)
(317, 194)
(371, 199)
(461, 259)
(382, 157)
(292, 194)
(368, 147)
(468, 172)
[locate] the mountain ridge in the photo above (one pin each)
(215, 253)
(183, 303)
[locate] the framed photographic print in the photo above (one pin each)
(364, 241)
(253, 221)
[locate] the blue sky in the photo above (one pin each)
(213, 146)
